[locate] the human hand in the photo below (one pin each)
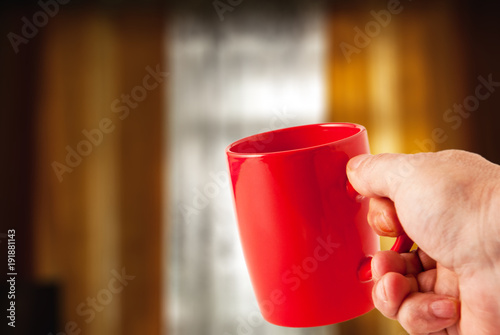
(449, 204)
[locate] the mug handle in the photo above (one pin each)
(403, 244)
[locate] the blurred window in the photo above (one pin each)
(228, 80)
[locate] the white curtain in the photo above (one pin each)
(228, 80)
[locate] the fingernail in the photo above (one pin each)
(381, 294)
(356, 161)
(383, 223)
(360, 198)
(375, 274)
(444, 309)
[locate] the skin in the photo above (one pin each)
(449, 204)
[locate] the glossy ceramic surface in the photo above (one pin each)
(305, 237)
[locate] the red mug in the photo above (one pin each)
(304, 233)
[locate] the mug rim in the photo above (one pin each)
(232, 153)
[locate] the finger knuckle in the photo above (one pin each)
(413, 318)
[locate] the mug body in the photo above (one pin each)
(304, 235)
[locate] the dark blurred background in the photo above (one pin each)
(115, 115)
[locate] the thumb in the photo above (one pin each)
(379, 175)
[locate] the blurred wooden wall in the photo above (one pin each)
(94, 232)
(402, 82)
(480, 33)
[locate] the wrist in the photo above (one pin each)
(479, 292)
(488, 222)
